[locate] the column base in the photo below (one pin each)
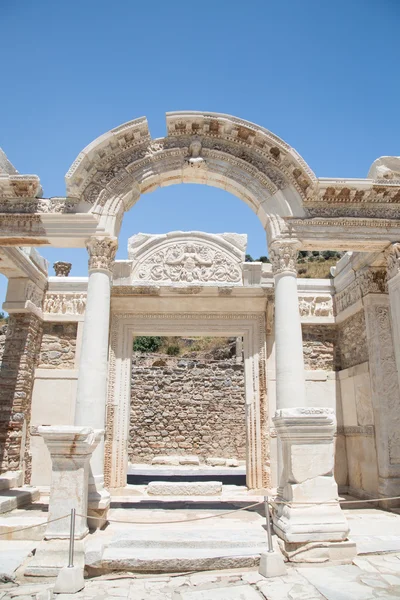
(297, 524)
(307, 513)
(319, 552)
(52, 555)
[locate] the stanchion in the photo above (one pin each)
(271, 562)
(70, 579)
(268, 524)
(71, 539)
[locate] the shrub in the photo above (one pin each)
(249, 258)
(173, 350)
(149, 343)
(264, 259)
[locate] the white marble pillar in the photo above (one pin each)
(393, 262)
(290, 382)
(93, 364)
(307, 515)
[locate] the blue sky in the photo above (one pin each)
(321, 75)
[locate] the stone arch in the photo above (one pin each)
(209, 148)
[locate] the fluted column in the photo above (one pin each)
(93, 365)
(307, 515)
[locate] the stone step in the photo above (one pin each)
(17, 497)
(10, 479)
(10, 528)
(198, 537)
(184, 488)
(147, 560)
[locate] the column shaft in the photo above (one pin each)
(93, 364)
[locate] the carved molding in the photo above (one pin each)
(102, 253)
(350, 430)
(393, 260)
(283, 257)
(369, 280)
(123, 327)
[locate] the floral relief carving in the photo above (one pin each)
(102, 252)
(393, 260)
(283, 257)
(190, 262)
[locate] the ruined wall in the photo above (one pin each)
(320, 347)
(186, 406)
(19, 348)
(58, 346)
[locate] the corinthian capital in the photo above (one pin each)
(393, 259)
(102, 252)
(283, 256)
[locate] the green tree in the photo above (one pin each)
(148, 343)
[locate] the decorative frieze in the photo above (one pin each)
(102, 252)
(316, 306)
(64, 304)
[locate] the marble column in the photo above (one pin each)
(307, 515)
(393, 276)
(93, 365)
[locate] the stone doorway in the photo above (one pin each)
(249, 327)
(187, 414)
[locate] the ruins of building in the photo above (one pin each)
(321, 357)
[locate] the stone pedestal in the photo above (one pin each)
(70, 450)
(93, 367)
(307, 512)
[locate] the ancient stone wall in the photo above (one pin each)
(58, 347)
(20, 342)
(320, 347)
(186, 406)
(352, 341)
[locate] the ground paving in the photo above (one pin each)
(375, 577)
(374, 574)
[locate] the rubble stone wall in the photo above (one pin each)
(320, 347)
(186, 406)
(58, 347)
(19, 349)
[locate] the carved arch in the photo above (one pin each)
(210, 148)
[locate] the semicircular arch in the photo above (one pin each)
(206, 148)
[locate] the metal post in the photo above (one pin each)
(267, 518)
(71, 539)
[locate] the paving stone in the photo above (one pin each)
(339, 583)
(239, 592)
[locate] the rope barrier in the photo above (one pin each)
(272, 502)
(33, 526)
(229, 512)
